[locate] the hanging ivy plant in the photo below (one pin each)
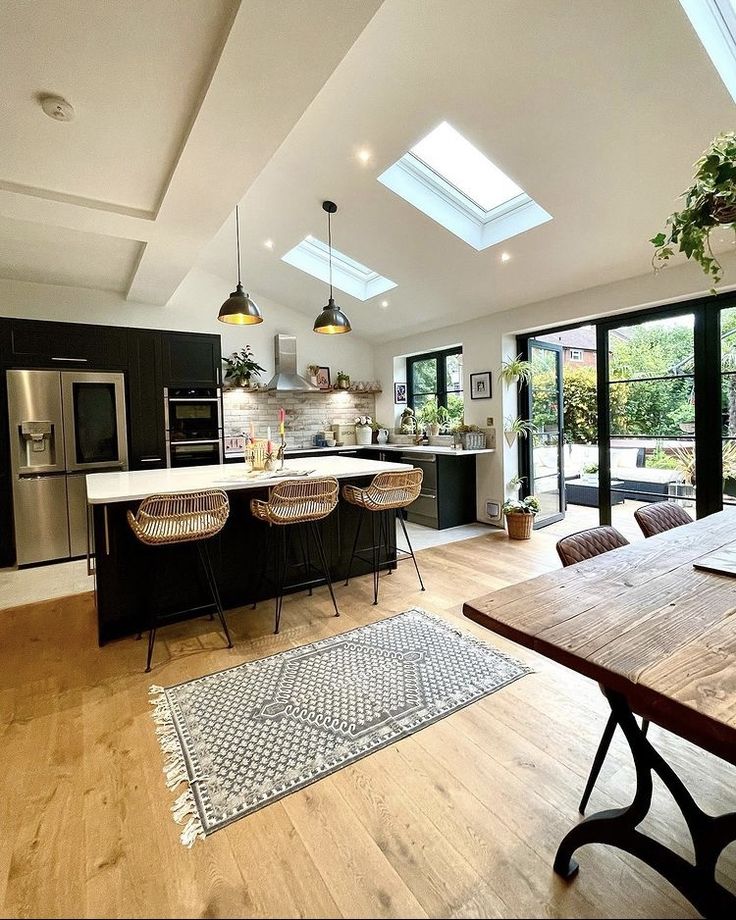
(709, 202)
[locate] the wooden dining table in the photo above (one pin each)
(659, 636)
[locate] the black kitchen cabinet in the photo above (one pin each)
(66, 345)
(448, 491)
(191, 360)
(147, 449)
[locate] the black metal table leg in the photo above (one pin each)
(618, 827)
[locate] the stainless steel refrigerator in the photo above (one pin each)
(63, 425)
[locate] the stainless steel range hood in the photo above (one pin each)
(286, 377)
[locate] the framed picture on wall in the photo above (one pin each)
(400, 394)
(323, 378)
(480, 385)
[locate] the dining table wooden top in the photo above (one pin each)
(643, 622)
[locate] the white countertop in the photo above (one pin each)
(108, 488)
(403, 448)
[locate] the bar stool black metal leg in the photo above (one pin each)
(323, 559)
(374, 551)
(306, 562)
(204, 555)
(282, 561)
(361, 515)
(151, 643)
(411, 550)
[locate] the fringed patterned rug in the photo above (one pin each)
(244, 737)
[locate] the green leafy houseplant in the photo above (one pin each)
(528, 505)
(516, 427)
(709, 202)
(343, 380)
(241, 367)
(519, 515)
(434, 416)
(513, 369)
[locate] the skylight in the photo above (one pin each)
(715, 23)
(461, 164)
(313, 257)
(455, 184)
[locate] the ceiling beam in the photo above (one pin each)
(275, 60)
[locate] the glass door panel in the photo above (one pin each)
(651, 417)
(547, 480)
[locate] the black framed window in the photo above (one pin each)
(436, 375)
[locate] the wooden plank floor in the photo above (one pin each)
(460, 820)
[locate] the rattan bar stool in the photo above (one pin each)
(394, 492)
(187, 517)
(297, 504)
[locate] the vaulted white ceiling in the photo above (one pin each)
(597, 110)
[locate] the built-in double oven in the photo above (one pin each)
(193, 426)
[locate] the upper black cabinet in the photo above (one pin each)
(66, 345)
(191, 360)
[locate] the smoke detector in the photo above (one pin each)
(57, 108)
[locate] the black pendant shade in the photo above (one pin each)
(331, 321)
(239, 309)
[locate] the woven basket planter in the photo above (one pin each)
(519, 526)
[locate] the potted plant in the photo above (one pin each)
(343, 380)
(313, 370)
(471, 436)
(513, 369)
(589, 471)
(241, 368)
(520, 514)
(516, 427)
(515, 483)
(363, 429)
(433, 416)
(709, 202)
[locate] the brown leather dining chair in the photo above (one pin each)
(661, 517)
(576, 548)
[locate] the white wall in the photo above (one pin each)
(486, 341)
(193, 308)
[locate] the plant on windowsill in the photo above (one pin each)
(514, 369)
(433, 416)
(519, 515)
(241, 369)
(709, 202)
(516, 427)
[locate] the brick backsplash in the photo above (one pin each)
(306, 413)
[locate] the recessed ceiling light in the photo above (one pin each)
(364, 155)
(384, 304)
(268, 244)
(505, 257)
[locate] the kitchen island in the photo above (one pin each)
(124, 579)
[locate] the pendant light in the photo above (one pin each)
(239, 309)
(331, 320)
